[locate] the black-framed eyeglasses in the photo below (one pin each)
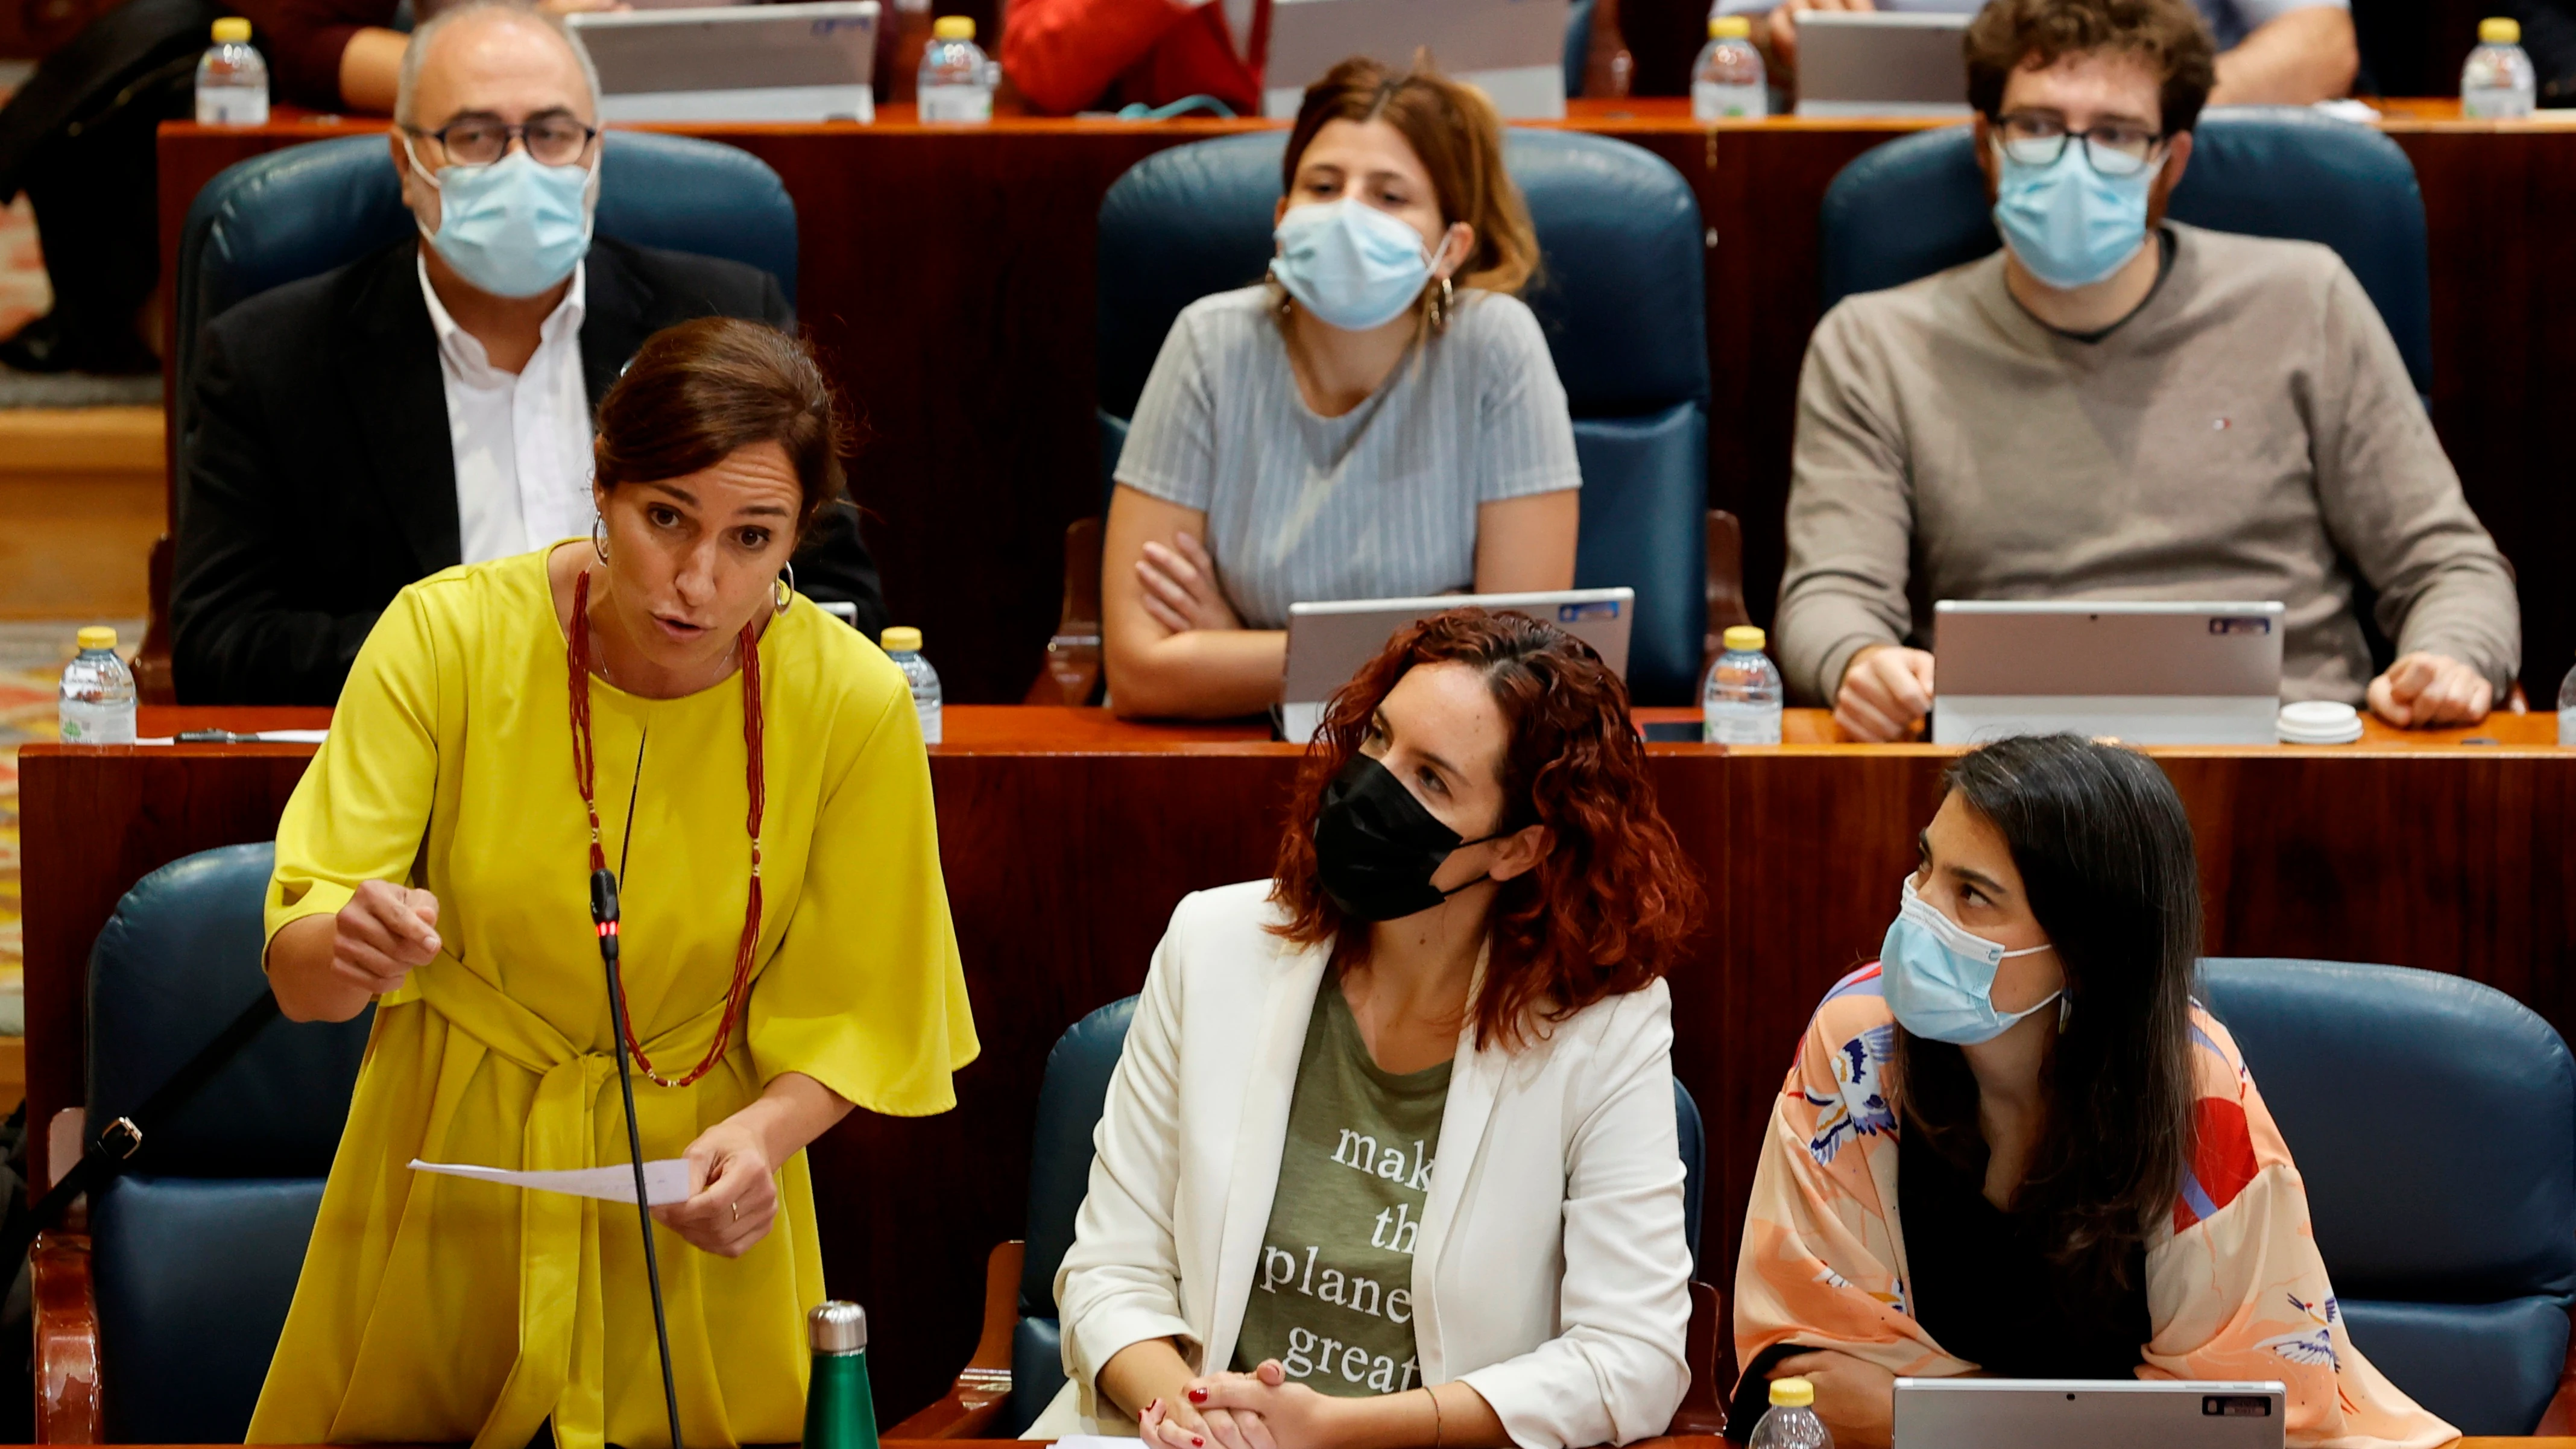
(2038, 139)
(551, 140)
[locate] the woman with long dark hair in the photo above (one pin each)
(1390, 1157)
(2091, 1186)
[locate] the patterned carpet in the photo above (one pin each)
(26, 713)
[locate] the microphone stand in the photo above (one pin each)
(603, 913)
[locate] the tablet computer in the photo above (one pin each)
(2181, 673)
(1327, 643)
(803, 62)
(1512, 50)
(1882, 63)
(1979, 1413)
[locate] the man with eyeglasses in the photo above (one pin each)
(2117, 406)
(430, 405)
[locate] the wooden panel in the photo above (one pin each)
(83, 490)
(2500, 217)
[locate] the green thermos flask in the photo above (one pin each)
(839, 1413)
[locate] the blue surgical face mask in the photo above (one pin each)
(1350, 264)
(2070, 225)
(513, 228)
(1940, 977)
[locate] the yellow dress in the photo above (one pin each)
(433, 1308)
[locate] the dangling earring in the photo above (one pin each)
(784, 590)
(598, 540)
(1440, 306)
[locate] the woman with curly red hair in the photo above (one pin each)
(1390, 1159)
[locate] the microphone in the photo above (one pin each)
(603, 915)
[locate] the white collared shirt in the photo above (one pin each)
(521, 442)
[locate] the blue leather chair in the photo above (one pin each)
(1918, 205)
(195, 1250)
(2434, 1120)
(1578, 45)
(302, 211)
(1001, 1397)
(1620, 299)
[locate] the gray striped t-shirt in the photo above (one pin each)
(1378, 503)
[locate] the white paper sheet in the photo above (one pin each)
(665, 1182)
(1094, 1441)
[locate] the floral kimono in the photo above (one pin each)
(2234, 1288)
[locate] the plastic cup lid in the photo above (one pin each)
(2321, 721)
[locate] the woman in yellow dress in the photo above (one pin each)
(755, 776)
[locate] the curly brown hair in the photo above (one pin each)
(1609, 907)
(2167, 34)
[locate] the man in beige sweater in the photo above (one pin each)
(2120, 407)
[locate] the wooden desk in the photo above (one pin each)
(1067, 837)
(948, 271)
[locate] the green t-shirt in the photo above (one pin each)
(1332, 1298)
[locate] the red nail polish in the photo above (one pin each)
(1197, 1443)
(1198, 1396)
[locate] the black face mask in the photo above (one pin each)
(1376, 847)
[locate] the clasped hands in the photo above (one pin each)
(387, 930)
(1258, 1410)
(1887, 690)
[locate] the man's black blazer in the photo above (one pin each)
(320, 478)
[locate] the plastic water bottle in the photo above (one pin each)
(2567, 710)
(1791, 1422)
(903, 646)
(1742, 706)
(956, 80)
(2498, 83)
(839, 1412)
(1727, 80)
(232, 80)
(97, 695)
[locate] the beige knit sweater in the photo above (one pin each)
(2249, 433)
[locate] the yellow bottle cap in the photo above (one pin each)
(231, 30)
(2497, 30)
(1729, 27)
(1745, 636)
(1792, 1393)
(97, 636)
(902, 639)
(954, 27)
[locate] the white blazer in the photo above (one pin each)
(1551, 1271)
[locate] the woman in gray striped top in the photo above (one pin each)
(1360, 425)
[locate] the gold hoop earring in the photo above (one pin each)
(784, 590)
(598, 542)
(1440, 306)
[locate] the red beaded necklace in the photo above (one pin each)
(577, 660)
